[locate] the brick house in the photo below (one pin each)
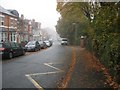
(17, 29)
(25, 29)
(8, 25)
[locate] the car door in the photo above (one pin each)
(14, 49)
(38, 45)
(19, 49)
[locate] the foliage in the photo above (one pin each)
(106, 37)
(73, 22)
(100, 22)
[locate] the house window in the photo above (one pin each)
(2, 23)
(5, 36)
(2, 35)
(11, 36)
(14, 37)
(1, 20)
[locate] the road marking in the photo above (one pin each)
(35, 74)
(34, 82)
(48, 64)
(29, 76)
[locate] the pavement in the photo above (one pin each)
(82, 76)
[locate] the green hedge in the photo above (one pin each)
(107, 48)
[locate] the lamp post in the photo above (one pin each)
(74, 24)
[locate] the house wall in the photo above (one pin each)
(8, 28)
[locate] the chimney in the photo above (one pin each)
(22, 16)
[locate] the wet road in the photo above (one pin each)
(42, 69)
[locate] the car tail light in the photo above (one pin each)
(2, 49)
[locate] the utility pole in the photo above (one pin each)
(75, 37)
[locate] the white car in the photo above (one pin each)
(47, 43)
(64, 41)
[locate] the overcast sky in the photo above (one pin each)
(43, 11)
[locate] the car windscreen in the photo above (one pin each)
(40, 42)
(64, 40)
(46, 41)
(31, 43)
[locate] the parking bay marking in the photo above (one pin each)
(34, 82)
(29, 76)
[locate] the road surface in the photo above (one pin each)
(42, 69)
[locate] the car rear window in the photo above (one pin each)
(31, 43)
(7, 45)
(13, 45)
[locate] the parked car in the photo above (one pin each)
(32, 46)
(42, 44)
(10, 49)
(64, 41)
(47, 43)
(51, 42)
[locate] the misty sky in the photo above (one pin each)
(43, 11)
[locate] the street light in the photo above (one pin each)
(74, 24)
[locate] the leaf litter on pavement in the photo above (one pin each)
(95, 65)
(92, 64)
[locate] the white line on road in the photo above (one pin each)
(29, 76)
(34, 82)
(35, 74)
(48, 64)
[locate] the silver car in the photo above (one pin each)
(42, 44)
(47, 43)
(32, 46)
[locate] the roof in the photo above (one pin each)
(2, 10)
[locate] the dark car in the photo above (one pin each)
(32, 46)
(10, 49)
(42, 44)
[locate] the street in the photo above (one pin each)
(42, 69)
(66, 44)
(57, 66)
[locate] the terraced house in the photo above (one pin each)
(18, 29)
(8, 25)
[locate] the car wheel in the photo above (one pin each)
(10, 55)
(23, 52)
(35, 49)
(40, 48)
(44, 47)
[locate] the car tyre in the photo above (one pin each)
(23, 52)
(39, 48)
(35, 50)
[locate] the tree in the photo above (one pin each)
(72, 13)
(100, 22)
